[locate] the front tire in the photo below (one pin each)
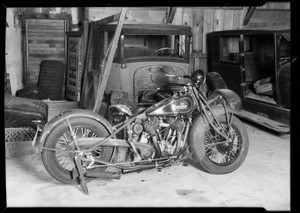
(209, 150)
(60, 164)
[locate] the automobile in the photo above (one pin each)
(22, 116)
(143, 50)
(256, 65)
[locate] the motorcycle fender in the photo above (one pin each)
(200, 124)
(73, 113)
(232, 99)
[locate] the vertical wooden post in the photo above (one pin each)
(228, 19)
(86, 63)
(207, 26)
(237, 19)
(107, 62)
(218, 20)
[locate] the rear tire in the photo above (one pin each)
(60, 164)
(219, 158)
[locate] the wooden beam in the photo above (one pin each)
(279, 27)
(171, 14)
(86, 63)
(272, 10)
(107, 20)
(107, 62)
(248, 15)
(270, 20)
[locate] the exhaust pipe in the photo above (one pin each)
(96, 173)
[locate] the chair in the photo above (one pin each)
(50, 82)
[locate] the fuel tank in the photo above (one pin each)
(172, 106)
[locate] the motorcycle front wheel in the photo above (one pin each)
(214, 154)
(59, 163)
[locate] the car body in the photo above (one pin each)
(136, 59)
(256, 65)
(20, 112)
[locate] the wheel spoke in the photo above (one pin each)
(222, 158)
(222, 152)
(216, 143)
(66, 146)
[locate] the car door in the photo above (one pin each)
(226, 60)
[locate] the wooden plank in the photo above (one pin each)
(228, 20)
(44, 38)
(107, 20)
(41, 48)
(37, 45)
(41, 57)
(218, 20)
(107, 62)
(197, 30)
(45, 27)
(45, 21)
(279, 27)
(187, 17)
(146, 16)
(208, 26)
(45, 35)
(177, 20)
(248, 15)
(26, 58)
(270, 20)
(48, 42)
(171, 14)
(237, 19)
(50, 31)
(57, 56)
(276, 5)
(86, 64)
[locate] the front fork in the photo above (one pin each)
(215, 124)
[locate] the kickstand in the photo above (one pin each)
(81, 177)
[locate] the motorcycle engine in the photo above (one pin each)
(162, 133)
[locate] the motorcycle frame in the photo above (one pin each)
(111, 141)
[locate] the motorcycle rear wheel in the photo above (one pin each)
(214, 155)
(60, 164)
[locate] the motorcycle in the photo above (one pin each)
(80, 144)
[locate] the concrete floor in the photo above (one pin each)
(263, 180)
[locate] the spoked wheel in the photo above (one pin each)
(215, 154)
(220, 152)
(60, 163)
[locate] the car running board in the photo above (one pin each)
(271, 124)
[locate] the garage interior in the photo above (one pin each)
(35, 37)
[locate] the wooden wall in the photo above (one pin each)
(204, 20)
(150, 15)
(44, 40)
(271, 16)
